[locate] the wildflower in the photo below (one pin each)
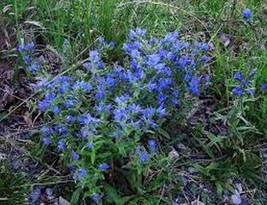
(101, 40)
(143, 156)
(64, 87)
(138, 32)
(161, 98)
(21, 47)
(35, 194)
(206, 79)
(111, 45)
(153, 59)
(103, 167)
(103, 108)
(44, 105)
(68, 103)
(96, 197)
(247, 14)
(80, 173)
(83, 85)
(47, 141)
(205, 59)
(33, 67)
(84, 132)
(89, 145)
(27, 59)
(152, 146)
(238, 91)
(161, 111)
(264, 86)
(61, 145)
(99, 95)
(94, 55)
(56, 110)
(238, 76)
(194, 85)
(148, 112)
(61, 129)
(46, 130)
(75, 156)
(87, 66)
(30, 46)
(204, 47)
(70, 119)
(251, 91)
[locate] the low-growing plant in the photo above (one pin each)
(107, 119)
(13, 186)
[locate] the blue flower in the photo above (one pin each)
(103, 108)
(27, 59)
(46, 130)
(84, 132)
(64, 87)
(33, 67)
(80, 173)
(138, 32)
(247, 14)
(161, 98)
(83, 85)
(68, 103)
(251, 91)
(61, 129)
(44, 105)
(238, 76)
(89, 145)
(103, 167)
(70, 119)
(143, 155)
(148, 112)
(56, 110)
(35, 194)
(21, 47)
(153, 59)
(75, 156)
(152, 146)
(205, 59)
(99, 95)
(101, 40)
(238, 91)
(111, 45)
(30, 46)
(96, 197)
(61, 145)
(47, 140)
(94, 56)
(194, 85)
(87, 66)
(264, 86)
(161, 111)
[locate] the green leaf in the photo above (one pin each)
(112, 194)
(219, 188)
(163, 133)
(75, 198)
(126, 199)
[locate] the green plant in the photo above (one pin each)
(13, 186)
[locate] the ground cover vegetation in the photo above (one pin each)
(133, 102)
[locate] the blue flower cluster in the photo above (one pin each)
(244, 84)
(26, 50)
(143, 155)
(105, 111)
